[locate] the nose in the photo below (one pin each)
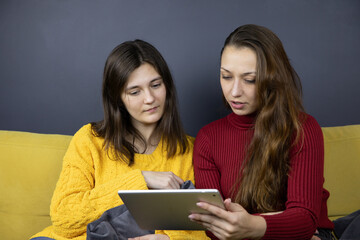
(237, 88)
(149, 97)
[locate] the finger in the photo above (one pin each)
(144, 237)
(202, 218)
(174, 184)
(175, 181)
(171, 183)
(217, 231)
(154, 237)
(215, 210)
(207, 220)
(233, 207)
(178, 179)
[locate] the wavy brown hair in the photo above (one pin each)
(262, 184)
(117, 126)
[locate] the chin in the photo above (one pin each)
(152, 121)
(242, 113)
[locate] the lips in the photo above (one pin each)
(151, 109)
(237, 105)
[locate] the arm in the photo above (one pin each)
(162, 180)
(77, 199)
(180, 235)
(206, 172)
(305, 185)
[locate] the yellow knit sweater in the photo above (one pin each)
(89, 182)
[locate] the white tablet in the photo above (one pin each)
(168, 209)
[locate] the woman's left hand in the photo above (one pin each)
(234, 222)
(151, 237)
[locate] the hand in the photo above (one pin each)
(272, 213)
(162, 180)
(314, 237)
(232, 223)
(151, 237)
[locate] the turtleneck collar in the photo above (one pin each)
(245, 121)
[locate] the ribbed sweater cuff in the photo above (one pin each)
(288, 226)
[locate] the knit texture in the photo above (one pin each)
(219, 152)
(90, 179)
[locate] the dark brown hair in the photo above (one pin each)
(121, 62)
(262, 186)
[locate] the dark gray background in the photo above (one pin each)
(52, 55)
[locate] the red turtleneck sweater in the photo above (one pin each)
(219, 152)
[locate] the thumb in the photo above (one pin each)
(232, 207)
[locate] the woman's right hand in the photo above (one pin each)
(162, 180)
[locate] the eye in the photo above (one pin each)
(252, 81)
(134, 93)
(226, 77)
(156, 85)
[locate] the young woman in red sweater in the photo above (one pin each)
(267, 156)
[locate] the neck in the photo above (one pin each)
(146, 131)
(151, 139)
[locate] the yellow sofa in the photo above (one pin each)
(30, 164)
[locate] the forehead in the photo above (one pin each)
(239, 59)
(142, 75)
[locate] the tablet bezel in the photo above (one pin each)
(168, 209)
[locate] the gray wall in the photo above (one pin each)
(52, 55)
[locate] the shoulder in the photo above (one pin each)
(86, 135)
(85, 130)
(311, 133)
(310, 125)
(83, 146)
(309, 120)
(190, 140)
(211, 133)
(190, 144)
(214, 126)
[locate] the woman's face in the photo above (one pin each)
(144, 96)
(237, 78)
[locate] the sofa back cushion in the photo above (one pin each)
(30, 165)
(342, 169)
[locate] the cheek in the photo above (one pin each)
(253, 95)
(125, 101)
(225, 88)
(162, 94)
(132, 105)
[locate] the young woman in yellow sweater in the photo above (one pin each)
(140, 144)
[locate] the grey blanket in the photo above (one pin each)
(117, 223)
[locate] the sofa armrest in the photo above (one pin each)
(30, 165)
(342, 168)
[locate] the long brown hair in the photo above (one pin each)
(262, 185)
(121, 62)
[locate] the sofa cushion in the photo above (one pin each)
(30, 165)
(342, 168)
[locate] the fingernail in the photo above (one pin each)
(200, 204)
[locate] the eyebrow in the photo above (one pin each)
(136, 86)
(243, 75)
